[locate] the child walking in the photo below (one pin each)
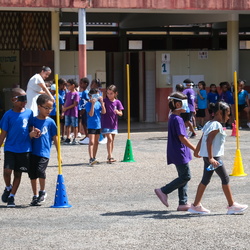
(15, 126)
(201, 103)
(70, 110)
(110, 119)
(94, 108)
(211, 148)
(41, 146)
(212, 97)
(178, 152)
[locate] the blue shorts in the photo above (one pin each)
(71, 121)
(109, 131)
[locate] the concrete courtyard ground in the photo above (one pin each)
(114, 206)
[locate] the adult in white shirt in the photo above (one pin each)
(36, 86)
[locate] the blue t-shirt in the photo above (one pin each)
(94, 122)
(17, 127)
(41, 146)
(53, 112)
(227, 97)
(212, 97)
(177, 152)
(84, 98)
(242, 97)
(62, 93)
(202, 103)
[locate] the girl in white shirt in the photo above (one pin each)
(211, 148)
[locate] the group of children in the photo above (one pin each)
(28, 139)
(210, 147)
(199, 103)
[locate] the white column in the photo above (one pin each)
(55, 37)
(232, 45)
(82, 40)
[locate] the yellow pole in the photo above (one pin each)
(128, 96)
(236, 110)
(58, 127)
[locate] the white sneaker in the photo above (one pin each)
(248, 124)
(103, 141)
(79, 135)
(71, 135)
(85, 141)
(198, 210)
(236, 208)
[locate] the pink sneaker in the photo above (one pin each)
(236, 208)
(183, 207)
(163, 197)
(198, 209)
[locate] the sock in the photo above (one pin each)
(9, 188)
(12, 195)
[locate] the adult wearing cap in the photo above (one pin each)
(36, 86)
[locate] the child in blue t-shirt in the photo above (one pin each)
(15, 126)
(41, 146)
(212, 97)
(94, 108)
(243, 101)
(202, 104)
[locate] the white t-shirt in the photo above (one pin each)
(32, 92)
(218, 141)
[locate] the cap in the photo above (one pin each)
(53, 87)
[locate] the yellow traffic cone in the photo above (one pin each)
(238, 169)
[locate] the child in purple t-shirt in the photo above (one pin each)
(178, 152)
(70, 110)
(110, 119)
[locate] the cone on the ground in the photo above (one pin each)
(61, 198)
(128, 155)
(233, 129)
(238, 169)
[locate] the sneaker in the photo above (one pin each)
(199, 127)
(198, 210)
(103, 141)
(193, 135)
(84, 141)
(236, 208)
(34, 201)
(184, 207)
(240, 128)
(67, 141)
(248, 124)
(79, 135)
(42, 196)
(62, 139)
(163, 197)
(71, 135)
(195, 128)
(92, 161)
(74, 142)
(5, 195)
(11, 201)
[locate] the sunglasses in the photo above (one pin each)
(21, 98)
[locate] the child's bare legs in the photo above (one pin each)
(190, 125)
(110, 144)
(228, 194)
(16, 181)
(93, 145)
(75, 131)
(34, 186)
(200, 191)
(68, 131)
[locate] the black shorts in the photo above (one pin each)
(201, 113)
(92, 131)
(84, 118)
(19, 162)
(38, 167)
(241, 107)
(186, 116)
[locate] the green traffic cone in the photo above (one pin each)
(128, 155)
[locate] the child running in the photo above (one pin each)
(94, 108)
(178, 152)
(110, 119)
(41, 145)
(15, 126)
(211, 148)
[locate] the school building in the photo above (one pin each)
(163, 42)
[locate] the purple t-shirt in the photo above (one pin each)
(110, 119)
(70, 98)
(177, 153)
(191, 97)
